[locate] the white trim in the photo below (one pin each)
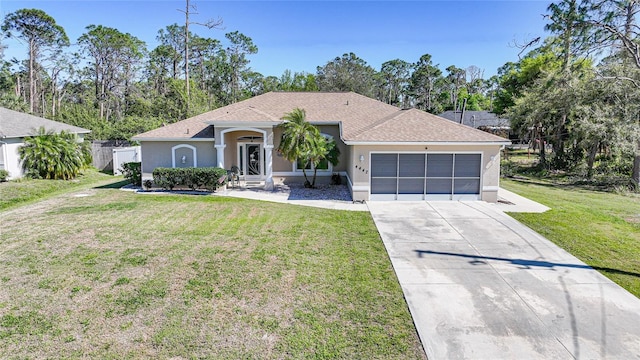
(262, 131)
(426, 143)
(174, 139)
(194, 151)
(241, 124)
(424, 152)
(360, 187)
(320, 122)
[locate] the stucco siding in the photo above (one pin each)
(159, 154)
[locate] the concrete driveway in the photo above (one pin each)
(480, 285)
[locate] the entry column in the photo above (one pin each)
(268, 182)
(220, 155)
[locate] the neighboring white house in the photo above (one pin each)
(14, 127)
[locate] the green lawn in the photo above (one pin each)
(22, 191)
(115, 275)
(600, 228)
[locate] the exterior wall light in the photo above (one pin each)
(184, 159)
(361, 158)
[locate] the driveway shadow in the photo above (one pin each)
(524, 263)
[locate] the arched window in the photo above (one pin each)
(184, 155)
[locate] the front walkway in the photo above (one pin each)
(481, 285)
(335, 197)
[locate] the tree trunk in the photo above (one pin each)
(635, 175)
(18, 87)
(313, 182)
(53, 95)
(102, 99)
(32, 83)
(540, 138)
(186, 55)
(591, 159)
(306, 180)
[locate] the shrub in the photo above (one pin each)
(336, 179)
(49, 155)
(209, 178)
(4, 174)
(132, 171)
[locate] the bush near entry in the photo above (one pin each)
(209, 178)
(132, 171)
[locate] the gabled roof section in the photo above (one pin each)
(249, 114)
(15, 124)
(414, 126)
(361, 119)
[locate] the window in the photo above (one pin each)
(323, 165)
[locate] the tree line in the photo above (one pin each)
(577, 92)
(111, 83)
(574, 95)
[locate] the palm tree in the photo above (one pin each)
(49, 155)
(303, 142)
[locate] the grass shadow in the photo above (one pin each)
(113, 185)
(106, 172)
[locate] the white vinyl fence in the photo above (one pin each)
(124, 155)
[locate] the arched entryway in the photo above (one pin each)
(248, 148)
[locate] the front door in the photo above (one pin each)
(251, 160)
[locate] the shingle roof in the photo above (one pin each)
(14, 124)
(414, 125)
(362, 119)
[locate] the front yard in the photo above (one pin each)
(25, 190)
(103, 273)
(600, 228)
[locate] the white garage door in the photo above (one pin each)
(411, 176)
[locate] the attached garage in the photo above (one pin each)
(426, 176)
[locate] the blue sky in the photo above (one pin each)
(301, 35)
